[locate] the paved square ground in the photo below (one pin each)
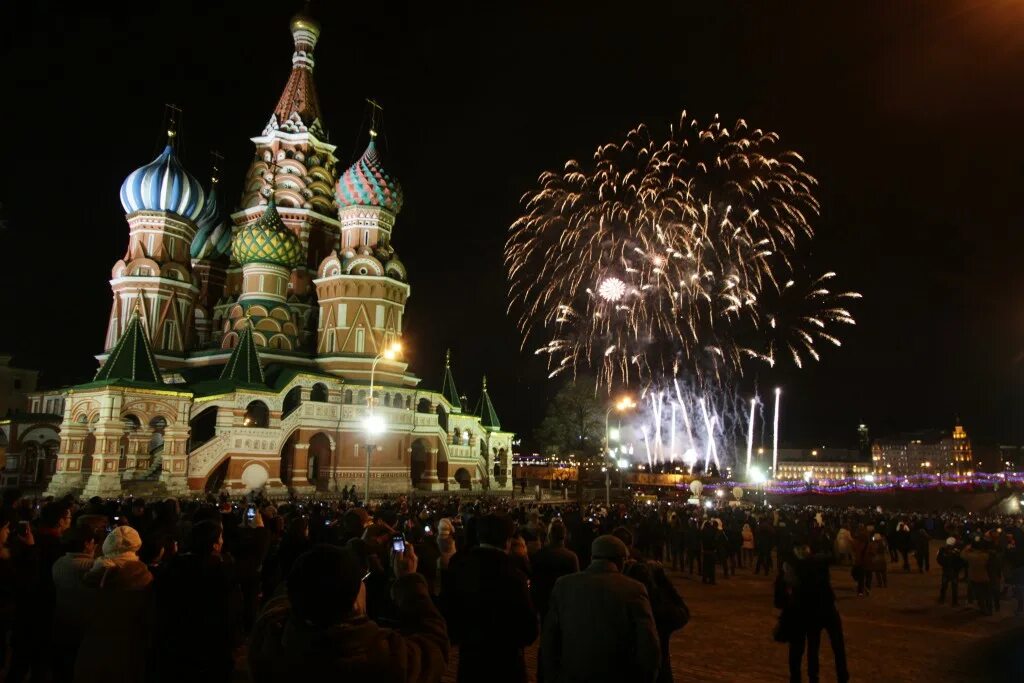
(897, 633)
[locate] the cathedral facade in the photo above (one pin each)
(261, 350)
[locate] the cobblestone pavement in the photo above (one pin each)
(896, 634)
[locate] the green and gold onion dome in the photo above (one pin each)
(267, 240)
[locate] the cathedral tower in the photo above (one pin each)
(361, 288)
(294, 165)
(162, 202)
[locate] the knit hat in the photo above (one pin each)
(122, 539)
(608, 547)
(951, 541)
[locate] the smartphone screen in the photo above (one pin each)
(398, 543)
(250, 514)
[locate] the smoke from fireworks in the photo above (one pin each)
(674, 257)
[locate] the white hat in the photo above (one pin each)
(122, 539)
(950, 541)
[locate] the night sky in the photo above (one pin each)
(908, 113)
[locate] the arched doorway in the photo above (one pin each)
(292, 400)
(288, 459)
(464, 478)
(418, 462)
(423, 405)
(442, 417)
(319, 462)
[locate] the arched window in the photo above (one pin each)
(318, 393)
(348, 397)
(442, 417)
(292, 400)
(158, 423)
(257, 415)
(423, 405)
(387, 400)
(361, 397)
(131, 422)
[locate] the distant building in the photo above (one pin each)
(29, 439)
(821, 463)
(932, 451)
(15, 385)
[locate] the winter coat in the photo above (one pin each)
(121, 623)
(877, 556)
(599, 628)
(977, 564)
(550, 563)
(491, 641)
(285, 649)
(748, 537)
(844, 542)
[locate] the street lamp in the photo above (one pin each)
(374, 425)
(623, 404)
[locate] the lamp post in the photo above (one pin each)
(623, 404)
(374, 424)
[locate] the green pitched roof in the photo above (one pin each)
(485, 410)
(448, 389)
(131, 359)
(244, 365)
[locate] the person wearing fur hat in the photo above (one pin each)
(121, 621)
(599, 625)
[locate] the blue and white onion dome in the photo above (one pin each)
(163, 185)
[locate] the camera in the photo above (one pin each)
(398, 543)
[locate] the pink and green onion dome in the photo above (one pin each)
(367, 184)
(163, 185)
(267, 240)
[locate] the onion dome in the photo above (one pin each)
(163, 185)
(267, 240)
(367, 184)
(213, 235)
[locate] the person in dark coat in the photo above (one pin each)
(550, 563)
(319, 631)
(708, 551)
(952, 565)
(599, 626)
(691, 538)
(670, 612)
(199, 611)
(764, 541)
(487, 604)
(804, 593)
(117, 637)
(921, 555)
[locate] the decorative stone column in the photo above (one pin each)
(300, 483)
(105, 478)
(174, 460)
(68, 476)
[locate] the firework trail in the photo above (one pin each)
(672, 257)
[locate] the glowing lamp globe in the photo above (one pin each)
(374, 424)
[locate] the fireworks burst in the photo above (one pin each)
(671, 257)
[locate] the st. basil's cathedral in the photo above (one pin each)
(247, 351)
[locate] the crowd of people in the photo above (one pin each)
(130, 590)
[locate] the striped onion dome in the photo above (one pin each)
(267, 240)
(366, 183)
(213, 234)
(163, 185)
